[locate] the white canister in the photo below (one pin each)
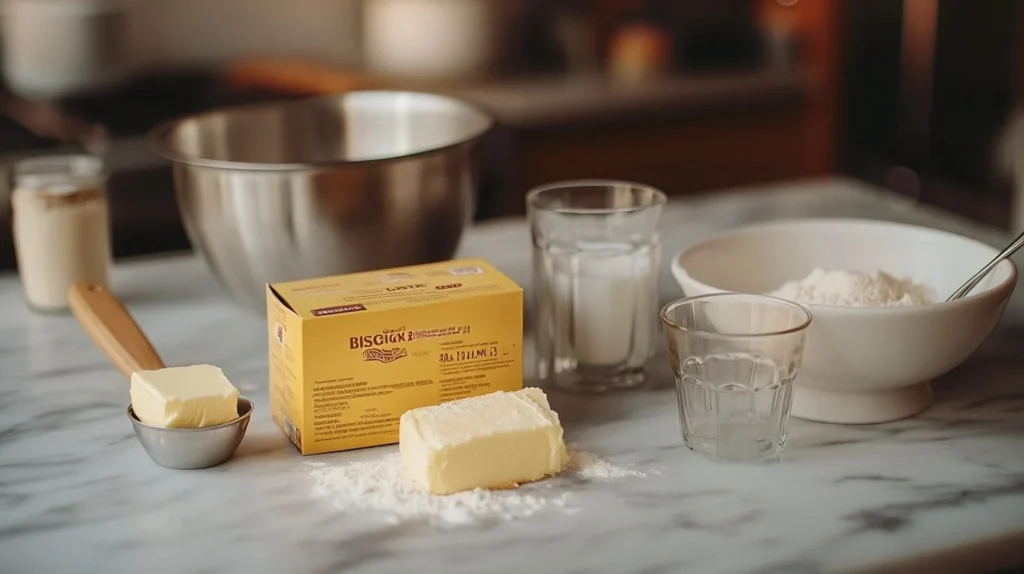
(61, 227)
(432, 39)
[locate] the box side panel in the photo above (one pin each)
(285, 395)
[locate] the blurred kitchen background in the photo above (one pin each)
(691, 96)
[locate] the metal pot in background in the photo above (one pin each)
(58, 48)
(324, 186)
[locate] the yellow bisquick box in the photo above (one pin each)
(350, 354)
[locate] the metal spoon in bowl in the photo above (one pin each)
(973, 281)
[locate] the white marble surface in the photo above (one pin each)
(78, 494)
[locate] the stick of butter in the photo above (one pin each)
(184, 397)
(496, 440)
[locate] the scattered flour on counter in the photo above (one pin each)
(588, 466)
(378, 486)
(855, 289)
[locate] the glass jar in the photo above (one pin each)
(61, 227)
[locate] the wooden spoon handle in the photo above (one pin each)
(113, 330)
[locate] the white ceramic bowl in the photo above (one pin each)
(862, 365)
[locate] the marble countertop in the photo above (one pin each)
(941, 492)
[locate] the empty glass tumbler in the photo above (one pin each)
(735, 357)
(595, 280)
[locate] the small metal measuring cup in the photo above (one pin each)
(112, 328)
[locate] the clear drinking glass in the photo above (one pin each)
(735, 357)
(595, 279)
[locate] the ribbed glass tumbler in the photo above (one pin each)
(735, 357)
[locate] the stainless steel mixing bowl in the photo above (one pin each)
(323, 186)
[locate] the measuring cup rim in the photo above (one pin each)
(243, 404)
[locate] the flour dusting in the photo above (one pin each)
(588, 466)
(378, 486)
(855, 289)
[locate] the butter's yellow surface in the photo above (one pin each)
(490, 441)
(184, 397)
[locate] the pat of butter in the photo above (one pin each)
(496, 440)
(184, 397)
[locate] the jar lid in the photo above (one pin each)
(58, 174)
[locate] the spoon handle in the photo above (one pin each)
(973, 281)
(113, 330)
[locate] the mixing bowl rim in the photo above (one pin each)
(157, 137)
(1000, 290)
(241, 401)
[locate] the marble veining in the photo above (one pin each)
(78, 494)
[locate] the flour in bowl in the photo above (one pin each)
(855, 289)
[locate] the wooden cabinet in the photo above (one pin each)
(703, 147)
(697, 150)
(678, 156)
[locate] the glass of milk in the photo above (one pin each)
(595, 276)
(735, 357)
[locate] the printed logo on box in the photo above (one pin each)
(337, 310)
(279, 333)
(384, 355)
(406, 287)
(293, 433)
